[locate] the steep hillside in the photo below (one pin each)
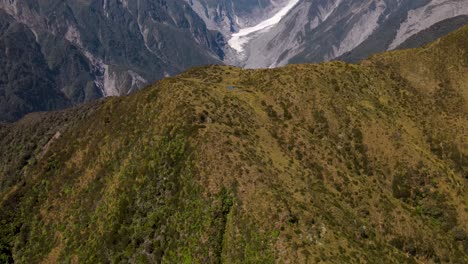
(413, 19)
(26, 82)
(323, 30)
(99, 48)
(229, 15)
(332, 163)
(434, 32)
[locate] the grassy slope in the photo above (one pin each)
(332, 162)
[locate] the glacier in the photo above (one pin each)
(239, 39)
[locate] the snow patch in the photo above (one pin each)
(239, 39)
(276, 46)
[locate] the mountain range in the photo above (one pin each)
(91, 49)
(62, 53)
(349, 30)
(307, 163)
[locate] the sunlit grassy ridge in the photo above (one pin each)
(334, 163)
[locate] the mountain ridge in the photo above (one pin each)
(317, 30)
(331, 163)
(99, 48)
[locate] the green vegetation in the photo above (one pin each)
(328, 163)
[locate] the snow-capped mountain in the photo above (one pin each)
(320, 30)
(231, 15)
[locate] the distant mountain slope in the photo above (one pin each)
(434, 32)
(318, 30)
(332, 163)
(26, 82)
(230, 15)
(416, 21)
(108, 47)
(99, 48)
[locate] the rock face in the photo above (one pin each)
(435, 31)
(27, 84)
(321, 30)
(101, 48)
(230, 15)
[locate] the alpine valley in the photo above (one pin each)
(60, 53)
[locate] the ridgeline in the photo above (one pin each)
(330, 162)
